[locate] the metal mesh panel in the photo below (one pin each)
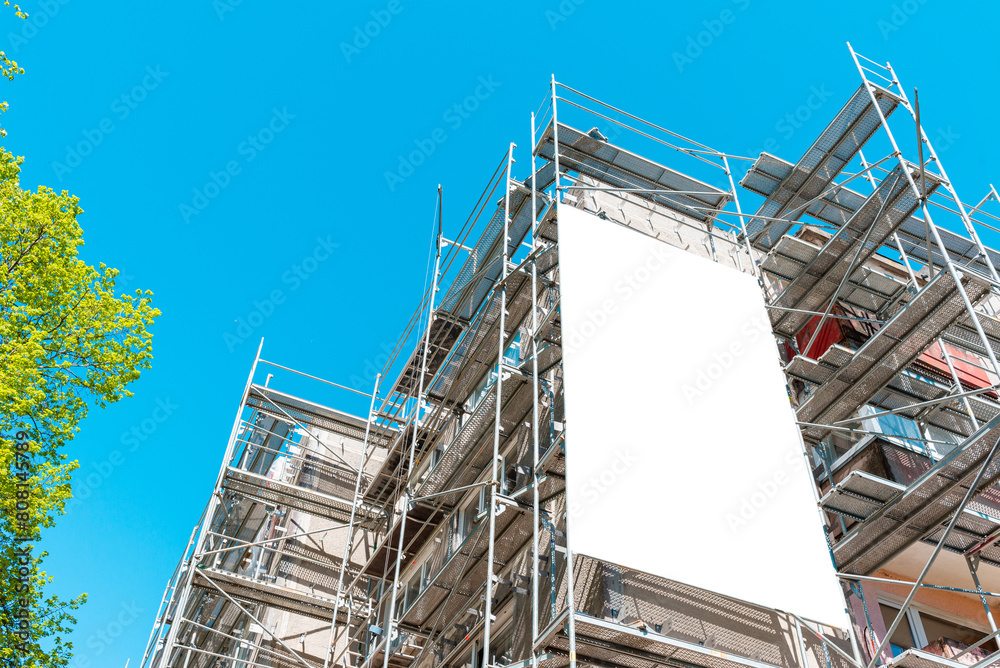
(894, 346)
(276, 493)
(851, 246)
(925, 504)
(915, 658)
(838, 206)
(463, 576)
(621, 169)
(836, 146)
(964, 335)
(479, 424)
(483, 266)
(866, 289)
(463, 370)
(603, 642)
(859, 495)
(766, 174)
(271, 595)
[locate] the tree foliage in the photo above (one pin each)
(8, 67)
(66, 342)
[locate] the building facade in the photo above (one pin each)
(433, 533)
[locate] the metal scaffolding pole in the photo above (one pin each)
(349, 543)
(966, 220)
(956, 513)
(534, 407)
(168, 597)
(213, 504)
(413, 445)
(501, 345)
(571, 621)
(922, 198)
(973, 563)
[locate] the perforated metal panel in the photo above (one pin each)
(276, 493)
(859, 495)
(271, 595)
(836, 207)
(836, 146)
(889, 351)
(849, 247)
(866, 289)
(483, 266)
(915, 658)
(913, 513)
(619, 168)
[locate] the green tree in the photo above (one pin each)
(8, 67)
(66, 342)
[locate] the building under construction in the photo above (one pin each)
(435, 532)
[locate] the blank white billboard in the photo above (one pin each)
(683, 458)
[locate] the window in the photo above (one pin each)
(905, 636)
(413, 589)
(465, 520)
(895, 428)
(436, 455)
(935, 628)
(921, 629)
(508, 477)
(425, 575)
(502, 647)
(511, 357)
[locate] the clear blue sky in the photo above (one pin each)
(200, 77)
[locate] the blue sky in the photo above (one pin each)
(226, 150)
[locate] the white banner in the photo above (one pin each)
(683, 458)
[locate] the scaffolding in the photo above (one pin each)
(445, 540)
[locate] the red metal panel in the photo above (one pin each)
(829, 334)
(971, 377)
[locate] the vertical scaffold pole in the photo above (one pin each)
(973, 563)
(555, 139)
(390, 621)
(571, 621)
(534, 405)
(739, 213)
(494, 479)
(349, 543)
(963, 214)
(921, 196)
(213, 504)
